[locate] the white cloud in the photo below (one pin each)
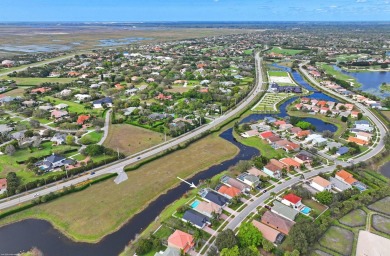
(361, 1)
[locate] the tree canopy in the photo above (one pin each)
(249, 235)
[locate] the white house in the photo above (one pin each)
(292, 200)
(320, 184)
(82, 97)
(364, 125)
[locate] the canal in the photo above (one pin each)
(23, 235)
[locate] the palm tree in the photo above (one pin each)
(198, 236)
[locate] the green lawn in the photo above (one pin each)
(264, 148)
(338, 239)
(32, 81)
(280, 50)
(328, 69)
(249, 51)
(73, 106)
(94, 136)
(9, 163)
(315, 206)
(381, 206)
(355, 218)
(278, 73)
(381, 223)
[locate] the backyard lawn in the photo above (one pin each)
(105, 206)
(130, 139)
(73, 106)
(315, 206)
(9, 163)
(264, 147)
(338, 239)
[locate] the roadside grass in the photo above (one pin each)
(264, 148)
(328, 69)
(104, 207)
(338, 239)
(33, 81)
(94, 136)
(278, 73)
(280, 50)
(356, 218)
(73, 106)
(130, 139)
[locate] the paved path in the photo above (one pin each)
(119, 165)
(106, 127)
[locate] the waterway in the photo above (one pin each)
(23, 235)
(385, 170)
(370, 80)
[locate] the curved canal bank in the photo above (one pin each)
(23, 235)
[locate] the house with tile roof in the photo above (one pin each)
(208, 208)
(272, 235)
(290, 163)
(277, 222)
(357, 141)
(169, 252)
(235, 183)
(292, 200)
(181, 241)
(320, 184)
(266, 134)
(345, 177)
(229, 192)
(82, 119)
(273, 171)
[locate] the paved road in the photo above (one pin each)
(240, 216)
(106, 127)
(118, 167)
(38, 64)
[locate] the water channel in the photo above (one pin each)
(23, 235)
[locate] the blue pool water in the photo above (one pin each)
(195, 204)
(306, 210)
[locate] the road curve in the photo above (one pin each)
(118, 167)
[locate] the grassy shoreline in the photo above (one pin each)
(71, 230)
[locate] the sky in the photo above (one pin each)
(194, 10)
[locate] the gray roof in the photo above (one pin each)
(55, 158)
(339, 184)
(333, 144)
(169, 252)
(5, 128)
(284, 210)
(196, 218)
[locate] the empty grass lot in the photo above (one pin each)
(355, 218)
(104, 207)
(338, 239)
(381, 223)
(15, 92)
(24, 81)
(278, 73)
(280, 50)
(130, 139)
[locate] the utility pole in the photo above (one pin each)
(117, 150)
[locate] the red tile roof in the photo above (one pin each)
(292, 198)
(266, 135)
(82, 118)
(181, 240)
(230, 191)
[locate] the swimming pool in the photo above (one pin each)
(306, 210)
(195, 204)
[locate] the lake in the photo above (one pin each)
(370, 80)
(385, 170)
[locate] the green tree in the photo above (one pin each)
(249, 251)
(360, 116)
(324, 197)
(249, 235)
(234, 251)
(144, 246)
(267, 245)
(303, 235)
(69, 140)
(226, 239)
